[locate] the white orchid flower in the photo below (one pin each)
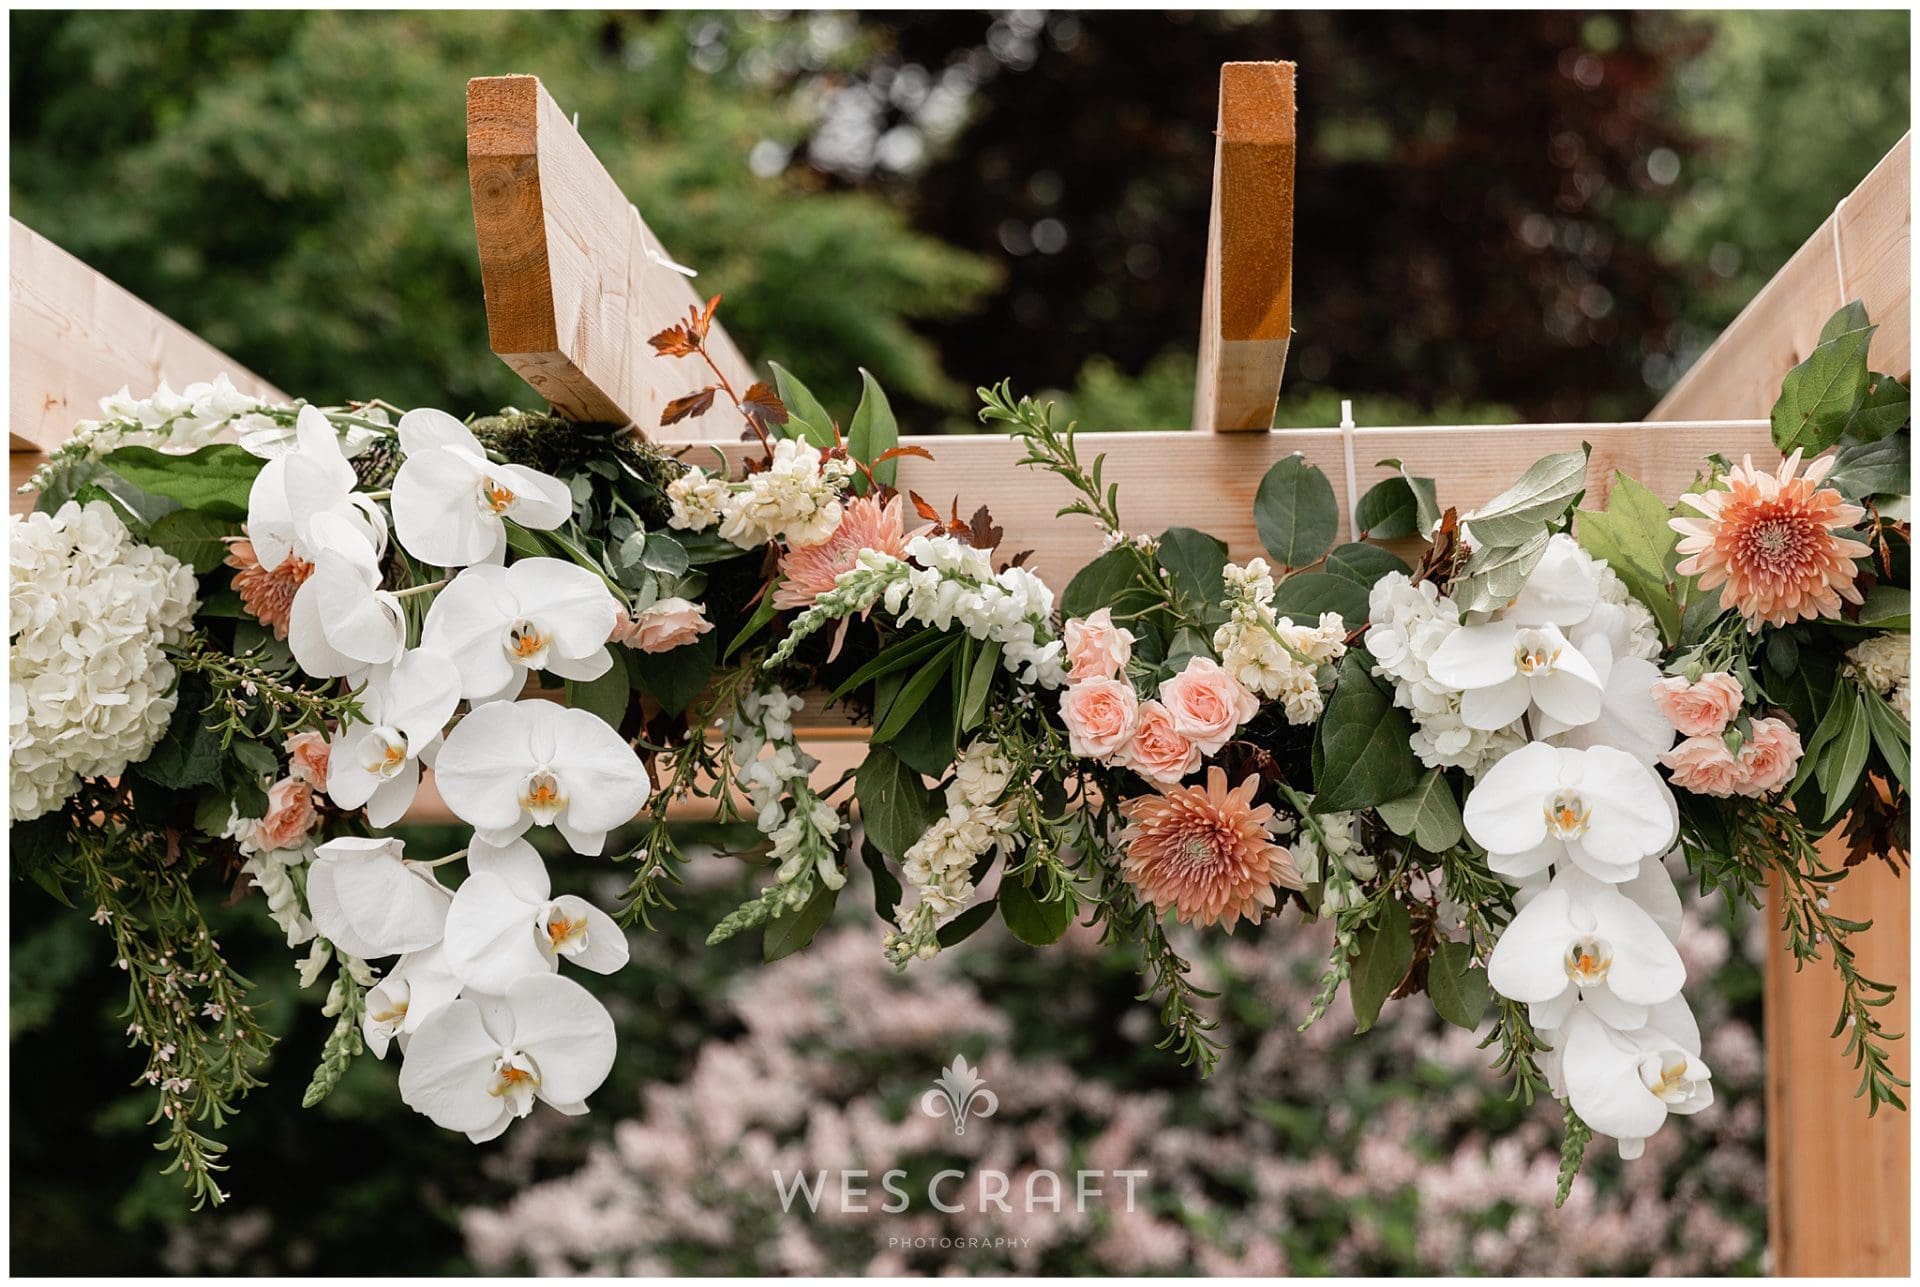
(1625, 1083)
(419, 986)
(449, 501)
(1583, 940)
(1562, 589)
(476, 1068)
(1504, 667)
(291, 490)
(1629, 718)
(406, 706)
(505, 925)
(498, 623)
(342, 624)
(267, 438)
(369, 901)
(1597, 808)
(512, 765)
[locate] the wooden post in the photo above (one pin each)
(1838, 1180)
(1247, 308)
(572, 292)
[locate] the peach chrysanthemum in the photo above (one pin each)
(268, 596)
(1206, 852)
(1772, 540)
(865, 524)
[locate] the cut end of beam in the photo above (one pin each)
(1256, 102)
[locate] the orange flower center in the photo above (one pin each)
(495, 497)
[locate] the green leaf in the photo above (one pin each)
(965, 924)
(1887, 607)
(189, 752)
(1388, 511)
(1542, 496)
(674, 678)
(1193, 561)
(1110, 581)
(1426, 501)
(1364, 743)
(973, 702)
(914, 693)
(896, 808)
(1887, 407)
(217, 479)
(1819, 397)
(928, 742)
(196, 538)
(1305, 595)
(793, 931)
(1833, 722)
(1383, 957)
(1428, 813)
(1632, 535)
(1364, 564)
(1031, 920)
(886, 886)
(763, 612)
(1883, 468)
(1891, 734)
(1456, 985)
(872, 433)
(664, 554)
(897, 655)
(607, 696)
(806, 418)
(1496, 573)
(1845, 760)
(1295, 512)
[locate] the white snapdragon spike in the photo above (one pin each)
(509, 766)
(420, 985)
(477, 1068)
(450, 502)
(505, 924)
(1596, 808)
(291, 490)
(342, 624)
(1625, 1083)
(498, 623)
(369, 901)
(1503, 668)
(376, 764)
(1582, 940)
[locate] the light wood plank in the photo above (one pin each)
(571, 293)
(1865, 246)
(77, 337)
(1247, 301)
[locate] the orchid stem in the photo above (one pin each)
(418, 589)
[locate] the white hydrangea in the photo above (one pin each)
(90, 691)
(795, 500)
(1884, 663)
(1409, 623)
(1272, 656)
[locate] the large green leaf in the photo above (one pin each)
(1193, 561)
(1887, 407)
(895, 805)
(1457, 987)
(1428, 813)
(793, 931)
(1426, 500)
(674, 678)
(1364, 564)
(912, 695)
(1879, 468)
(195, 537)
(1305, 595)
(1632, 535)
(806, 418)
(1032, 920)
(217, 479)
(1820, 397)
(1388, 511)
(1891, 734)
(188, 754)
(886, 886)
(1363, 752)
(1542, 495)
(1496, 573)
(1110, 581)
(965, 924)
(1295, 512)
(872, 433)
(1383, 955)
(608, 695)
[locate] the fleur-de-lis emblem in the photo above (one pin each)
(958, 1092)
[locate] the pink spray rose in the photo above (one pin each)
(1207, 704)
(1096, 648)
(1704, 766)
(307, 756)
(1159, 751)
(1099, 715)
(666, 625)
(1701, 709)
(1769, 757)
(289, 817)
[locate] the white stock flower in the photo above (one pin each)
(1598, 808)
(369, 901)
(795, 499)
(1884, 664)
(476, 1067)
(450, 502)
(981, 773)
(509, 766)
(292, 490)
(89, 611)
(696, 498)
(406, 706)
(342, 624)
(505, 923)
(420, 985)
(1582, 940)
(495, 624)
(1625, 1083)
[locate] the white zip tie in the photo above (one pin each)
(659, 257)
(1839, 257)
(1353, 486)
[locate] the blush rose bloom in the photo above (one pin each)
(289, 817)
(1769, 757)
(1701, 709)
(308, 755)
(1099, 715)
(668, 624)
(1207, 704)
(1096, 648)
(1159, 751)
(1704, 766)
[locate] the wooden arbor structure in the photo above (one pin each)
(575, 282)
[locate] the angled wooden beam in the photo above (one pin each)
(1247, 306)
(575, 281)
(1862, 251)
(77, 337)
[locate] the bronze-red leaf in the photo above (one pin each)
(694, 404)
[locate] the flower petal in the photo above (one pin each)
(1528, 963)
(369, 902)
(1601, 1069)
(1497, 705)
(1475, 656)
(392, 798)
(449, 1070)
(570, 603)
(269, 517)
(568, 1034)
(606, 947)
(582, 669)
(493, 935)
(1504, 811)
(468, 621)
(1634, 814)
(605, 782)
(420, 695)
(484, 765)
(1561, 590)
(423, 429)
(437, 514)
(517, 863)
(1572, 693)
(540, 501)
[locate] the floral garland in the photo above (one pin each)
(1486, 768)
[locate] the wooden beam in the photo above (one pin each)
(77, 338)
(1861, 252)
(572, 293)
(1247, 303)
